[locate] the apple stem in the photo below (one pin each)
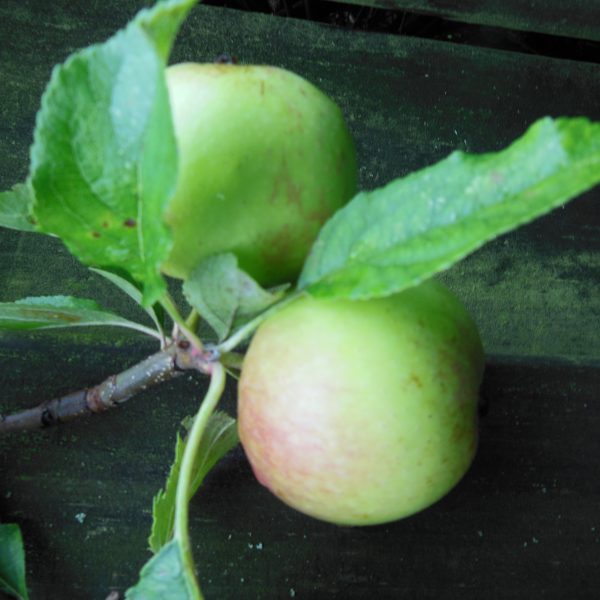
(213, 395)
(232, 360)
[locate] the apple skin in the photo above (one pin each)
(362, 412)
(265, 159)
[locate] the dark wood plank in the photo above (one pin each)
(574, 19)
(523, 523)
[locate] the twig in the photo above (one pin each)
(177, 357)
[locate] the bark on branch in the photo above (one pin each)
(176, 358)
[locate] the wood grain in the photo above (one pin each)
(574, 19)
(523, 523)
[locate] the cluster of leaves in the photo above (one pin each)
(103, 168)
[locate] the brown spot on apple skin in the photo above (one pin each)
(130, 222)
(285, 189)
(293, 193)
(416, 380)
(319, 215)
(277, 250)
(458, 433)
(96, 234)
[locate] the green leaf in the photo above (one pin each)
(50, 312)
(212, 289)
(15, 208)
(221, 292)
(392, 238)
(133, 292)
(219, 438)
(104, 160)
(254, 299)
(163, 504)
(162, 21)
(12, 561)
(164, 576)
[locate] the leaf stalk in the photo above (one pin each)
(213, 395)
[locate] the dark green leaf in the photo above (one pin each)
(12, 561)
(394, 237)
(212, 289)
(220, 437)
(163, 504)
(15, 208)
(104, 161)
(221, 293)
(47, 312)
(164, 576)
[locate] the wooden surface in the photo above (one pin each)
(524, 522)
(575, 18)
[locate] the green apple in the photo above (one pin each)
(362, 412)
(265, 158)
